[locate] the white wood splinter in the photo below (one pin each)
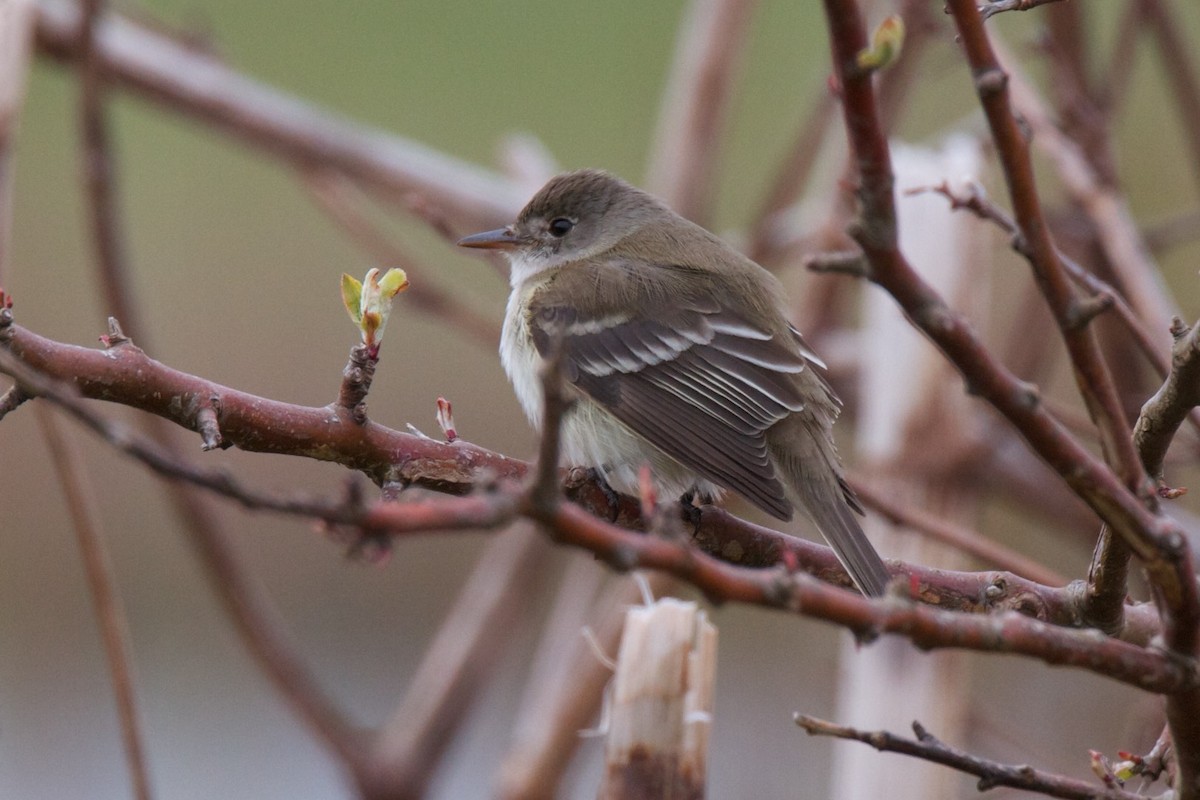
(661, 707)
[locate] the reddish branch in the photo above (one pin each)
(1092, 375)
(1169, 407)
(779, 588)
(1157, 540)
(124, 374)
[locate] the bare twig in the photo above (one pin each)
(991, 773)
(411, 745)
(110, 611)
(973, 199)
(166, 71)
(1116, 230)
(12, 398)
(967, 541)
(708, 51)
(1158, 540)
(991, 8)
(1168, 408)
(1092, 375)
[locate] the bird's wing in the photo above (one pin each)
(696, 380)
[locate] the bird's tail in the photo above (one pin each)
(808, 464)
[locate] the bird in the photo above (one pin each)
(678, 354)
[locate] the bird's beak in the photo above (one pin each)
(499, 239)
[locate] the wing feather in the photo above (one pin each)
(697, 380)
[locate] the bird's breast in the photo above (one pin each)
(521, 361)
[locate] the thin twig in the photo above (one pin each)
(974, 199)
(101, 579)
(960, 538)
(696, 101)
(991, 773)
(1093, 377)
(456, 665)
(1168, 408)
(1116, 230)
(991, 8)
(164, 70)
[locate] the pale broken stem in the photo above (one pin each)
(106, 600)
(990, 773)
(565, 690)
(661, 715)
(695, 103)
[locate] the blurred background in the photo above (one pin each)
(237, 272)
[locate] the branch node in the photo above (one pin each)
(1081, 312)
(990, 81)
(11, 399)
(209, 426)
(115, 336)
(844, 263)
(356, 382)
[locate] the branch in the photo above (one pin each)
(991, 773)
(624, 550)
(1091, 372)
(1157, 540)
(1169, 407)
(991, 8)
(110, 611)
(707, 53)
(124, 374)
(278, 124)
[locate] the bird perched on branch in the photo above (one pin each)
(680, 353)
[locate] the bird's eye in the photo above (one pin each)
(561, 226)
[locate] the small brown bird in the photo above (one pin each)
(681, 354)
